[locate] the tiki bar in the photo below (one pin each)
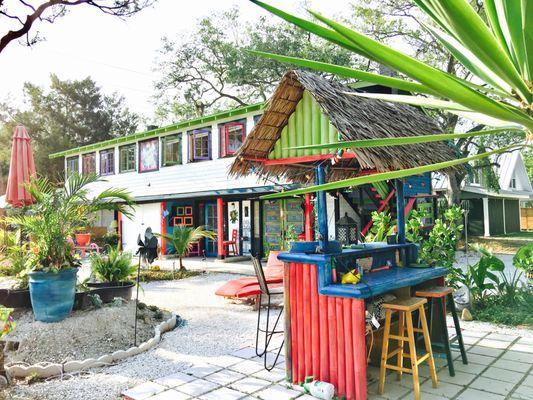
(345, 301)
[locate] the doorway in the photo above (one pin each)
(211, 225)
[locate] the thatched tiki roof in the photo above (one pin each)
(354, 117)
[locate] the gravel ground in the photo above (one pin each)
(84, 334)
(213, 327)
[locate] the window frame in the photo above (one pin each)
(194, 135)
(74, 158)
(83, 163)
(139, 163)
(512, 184)
(164, 140)
(107, 152)
(226, 131)
(120, 150)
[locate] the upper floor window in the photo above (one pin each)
(107, 162)
(127, 158)
(88, 163)
(200, 144)
(149, 155)
(476, 177)
(171, 150)
(232, 137)
(257, 118)
(73, 165)
(513, 183)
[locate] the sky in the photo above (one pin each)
(118, 54)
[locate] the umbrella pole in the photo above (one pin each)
(137, 301)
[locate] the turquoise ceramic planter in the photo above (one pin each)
(52, 294)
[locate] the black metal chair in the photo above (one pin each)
(267, 330)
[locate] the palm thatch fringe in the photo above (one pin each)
(356, 118)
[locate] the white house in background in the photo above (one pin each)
(494, 212)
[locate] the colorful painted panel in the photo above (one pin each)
(149, 155)
(307, 125)
(417, 184)
(272, 224)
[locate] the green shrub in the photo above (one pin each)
(523, 259)
(113, 267)
(497, 309)
(150, 275)
(14, 260)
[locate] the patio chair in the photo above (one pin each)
(268, 291)
(232, 243)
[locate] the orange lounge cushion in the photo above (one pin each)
(254, 290)
(232, 288)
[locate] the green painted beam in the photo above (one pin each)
(156, 132)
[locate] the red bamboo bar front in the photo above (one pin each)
(327, 335)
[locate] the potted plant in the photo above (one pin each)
(183, 237)
(13, 258)
(49, 222)
(112, 270)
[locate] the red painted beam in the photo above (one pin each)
(221, 250)
(163, 227)
(304, 159)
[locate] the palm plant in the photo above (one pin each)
(498, 53)
(56, 215)
(115, 266)
(183, 237)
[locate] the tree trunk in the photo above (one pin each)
(182, 268)
(453, 192)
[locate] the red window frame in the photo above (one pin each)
(226, 151)
(86, 163)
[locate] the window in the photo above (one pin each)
(149, 155)
(107, 162)
(171, 150)
(127, 158)
(200, 145)
(232, 137)
(88, 164)
(513, 183)
(257, 118)
(73, 165)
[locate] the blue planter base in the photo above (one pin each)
(52, 294)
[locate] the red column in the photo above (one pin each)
(220, 228)
(308, 218)
(163, 227)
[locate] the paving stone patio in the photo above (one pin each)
(500, 368)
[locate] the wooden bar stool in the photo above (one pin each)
(405, 309)
(437, 297)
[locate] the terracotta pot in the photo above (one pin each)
(83, 239)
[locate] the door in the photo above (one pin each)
(211, 225)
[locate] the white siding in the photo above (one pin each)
(145, 215)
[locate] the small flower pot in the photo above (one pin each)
(52, 294)
(15, 298)
(83, 239)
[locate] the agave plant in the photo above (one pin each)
(58, 212)
(183, 237)
(498, 53)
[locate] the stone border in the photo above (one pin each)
(46, 370)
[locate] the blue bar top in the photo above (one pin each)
(373, 283)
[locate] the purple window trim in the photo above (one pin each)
(141, 169)
(110, 153)
(194, 134)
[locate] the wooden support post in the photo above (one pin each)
(221, 250)
(320, 173)
(308, 218)
(400, 214)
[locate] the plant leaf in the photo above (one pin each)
(431, 77)
(349, 73)
(413, 100)
(405, 140)
(385, 176)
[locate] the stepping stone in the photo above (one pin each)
(143, 391)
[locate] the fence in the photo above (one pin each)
(526, 219)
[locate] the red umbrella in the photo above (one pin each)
(22, 167)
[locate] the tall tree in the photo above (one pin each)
(212, 68)
(19, 17)
(68, 114)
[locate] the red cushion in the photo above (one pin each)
(254, 290)
(232, 288)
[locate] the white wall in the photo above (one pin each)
(145, 215)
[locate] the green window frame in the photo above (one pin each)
(128, 158)
(171, 150)
(73, 165)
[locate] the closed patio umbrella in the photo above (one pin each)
(21, 168)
